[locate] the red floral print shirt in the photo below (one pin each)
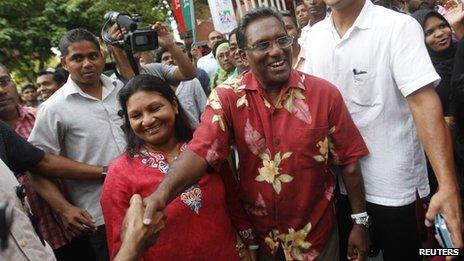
(284, 153)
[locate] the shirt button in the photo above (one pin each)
(276, 142)
(23, 244)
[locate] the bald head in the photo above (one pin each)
(213, 38)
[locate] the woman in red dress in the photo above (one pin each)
(198, 226)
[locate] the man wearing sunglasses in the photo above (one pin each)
(287, 127)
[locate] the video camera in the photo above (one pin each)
(135, 40)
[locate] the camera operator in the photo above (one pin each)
(184, 71)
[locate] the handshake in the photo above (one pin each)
(135, 236)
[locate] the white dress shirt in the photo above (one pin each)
(379, 61)
(209, 64)
(78, 126)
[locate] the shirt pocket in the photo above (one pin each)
(311, 146)
(363, 76)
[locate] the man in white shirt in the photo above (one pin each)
(317, 11)
(81, 122)
(378, 60)
(208, 62)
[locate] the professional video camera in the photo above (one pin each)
(135, 40)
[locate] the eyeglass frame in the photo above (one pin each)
(254, 47)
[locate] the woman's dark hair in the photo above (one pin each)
(150, 83)
(423, 14)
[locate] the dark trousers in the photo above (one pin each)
(78, 249)
(393, 230)
(98, 244)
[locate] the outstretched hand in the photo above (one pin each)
(153, 205)
(134, 232)
(455, 14)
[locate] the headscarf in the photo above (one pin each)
(221, 74)
(442, 61)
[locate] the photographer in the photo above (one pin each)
(183, 72)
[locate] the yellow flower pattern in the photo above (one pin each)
(237, 86)
(325, 146)
(270, 172)
(293, 243)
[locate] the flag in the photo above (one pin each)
(176, 5)
(185, 4)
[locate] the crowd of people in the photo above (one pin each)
(331, 132)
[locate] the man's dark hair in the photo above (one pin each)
(286, 13)
(255, 14)
(74, 36)
(232, 32)
(216, 45)
(299, 3)
(60, 75)
(159, 54)
(28, 86)
(149, 83)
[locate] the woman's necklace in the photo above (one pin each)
(172, 156)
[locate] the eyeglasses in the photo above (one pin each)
(282, 42)
(5, 81)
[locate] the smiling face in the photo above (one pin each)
(46, 86)
(8, 93)
(152, 117)
(272, 67)
(85, 63)
(437, 34)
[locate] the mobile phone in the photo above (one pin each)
(442, 234)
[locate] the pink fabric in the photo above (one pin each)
(197, 227)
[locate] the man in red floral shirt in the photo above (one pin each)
(288, 127)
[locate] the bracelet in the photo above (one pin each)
(253, 247)
(358, 215)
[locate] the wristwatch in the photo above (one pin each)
(362, 219)
(104, 171)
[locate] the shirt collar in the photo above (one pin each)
(363, 21)
(252, 84)
(108, 86)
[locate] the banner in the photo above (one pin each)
(222, 12)
(186, 14)
(176, 5)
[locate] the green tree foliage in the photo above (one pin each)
(29, 28)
